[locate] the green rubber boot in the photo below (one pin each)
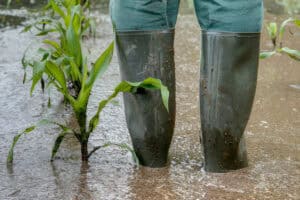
(144, 54)
(228, 79)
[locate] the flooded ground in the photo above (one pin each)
(273, 132)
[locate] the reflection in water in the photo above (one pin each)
(83, 191)
(80, 189)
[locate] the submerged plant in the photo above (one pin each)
(64, 61)
(276, 36)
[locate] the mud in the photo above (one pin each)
(272, 133)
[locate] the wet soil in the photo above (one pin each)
(273, 132)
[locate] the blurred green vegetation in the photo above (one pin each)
(291, 7)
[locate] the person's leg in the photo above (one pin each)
(229, 64)
(145, 45)
(143, 15)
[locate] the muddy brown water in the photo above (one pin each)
(273, 132)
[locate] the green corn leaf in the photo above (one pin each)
(45, 32)
(282, 27)
(45, 21)
(74, 70)
(125, 86)
(152, 83)
(58, 74)
(24, 62)
(76, 18)
(121, 146)
(272, 30)
(297, 22)
(42, 51)
(57, 9)
(74, 45)
(38, 70)
(98, 69)
(267, 54)
(45, 56)
(54, 44)
(101, 65)
(294, 54)
(10, 156)
(84, 74)
(63, 127)
(61, 29)
(26, 28)
(43, 122)
(57, 143)
(122, 87)
(29, 129)
(128, 148)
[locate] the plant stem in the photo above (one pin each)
(84, 135)
(84, 151)
(81, 119)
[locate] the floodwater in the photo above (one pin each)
(273, 132)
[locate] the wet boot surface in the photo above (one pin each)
(228, 76)
(144, 54)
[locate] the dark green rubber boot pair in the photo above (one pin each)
(145, 46)
(229, 66)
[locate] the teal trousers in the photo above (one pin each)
(241, 16)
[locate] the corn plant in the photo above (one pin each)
(63, 61)
(70, 22)
(276, 36)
